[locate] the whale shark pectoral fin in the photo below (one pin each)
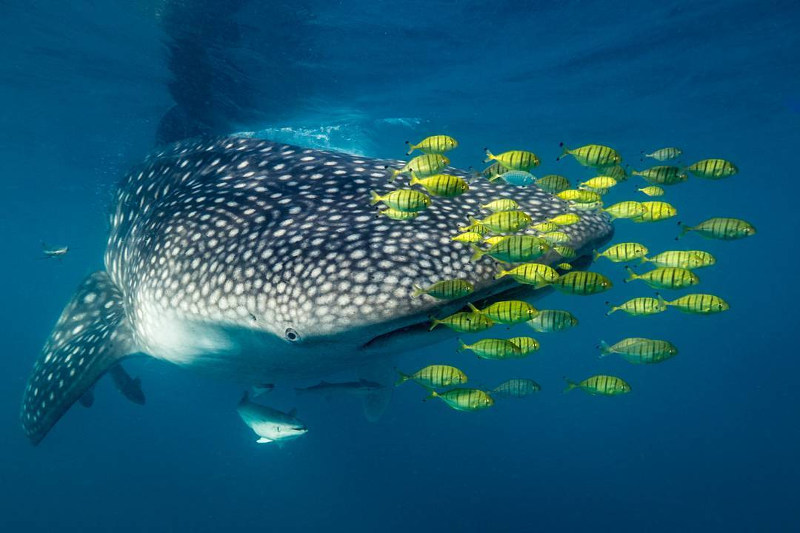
(263, 440)
(91, 336)
(376, 401)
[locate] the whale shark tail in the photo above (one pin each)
(91, 336)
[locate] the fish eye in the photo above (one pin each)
(291, 335)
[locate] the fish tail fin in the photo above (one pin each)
(501, 274)
(478, 253)
(633, 275)
(433, 394)
(393, 173)
(402, 378)
(91, 336)
(473, 308)
(570, 385)
(418, 291)
(374, 198)
(434, 322)
(461, 346)
(605, 349)
(684, 230)
(411, 148)
(595, 255)
(564, 151)
(644, 259)
(414, 180)
(489, 155)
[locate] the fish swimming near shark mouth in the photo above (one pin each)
(259, 261)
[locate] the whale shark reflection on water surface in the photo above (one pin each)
(259, 261)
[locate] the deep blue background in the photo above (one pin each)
(707, 440)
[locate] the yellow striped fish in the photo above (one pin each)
(550, 320)
(655, 212)
(514, 159)
(598, 183)
(553, 183)
(504, 221)
(582, 282)
(493, 171)
(556, 237)
(628, 209)
(564, 266)
(701, 304)
(435, 144)
(664, 154)
(566, 219)
(464, 322)
(666, 278)
(465, 399)
(434, 376)
(492, 349)
(507, 311)
(527, 345)
(422, 165)
(652, 190)
(641, 306)
(516, 388)
(494, 239)
(565, 251)
(592, 155)
(501, 204)
(396, 214)
(514, 249)
(616, 172)
(545, 227)
(726, 229)
(469, 237)
(580, 196)
(535, 274)
(638, 350)
(600, 384)
(448, 289)
(682, 259)
(662, 175)
(443, 185)
(624, 251)
(713, 169)
(407, 200)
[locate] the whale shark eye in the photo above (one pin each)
(291, 335)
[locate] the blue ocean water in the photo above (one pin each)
(706, 441)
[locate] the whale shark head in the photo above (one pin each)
(268, 258)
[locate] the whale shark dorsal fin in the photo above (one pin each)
(263, 440)
(91, 336)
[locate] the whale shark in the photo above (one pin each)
(258, 261)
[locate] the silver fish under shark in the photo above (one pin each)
(260, 261)
(270, 424)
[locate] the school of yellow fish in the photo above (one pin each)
(499, 236)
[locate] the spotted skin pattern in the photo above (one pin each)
(242, 250)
